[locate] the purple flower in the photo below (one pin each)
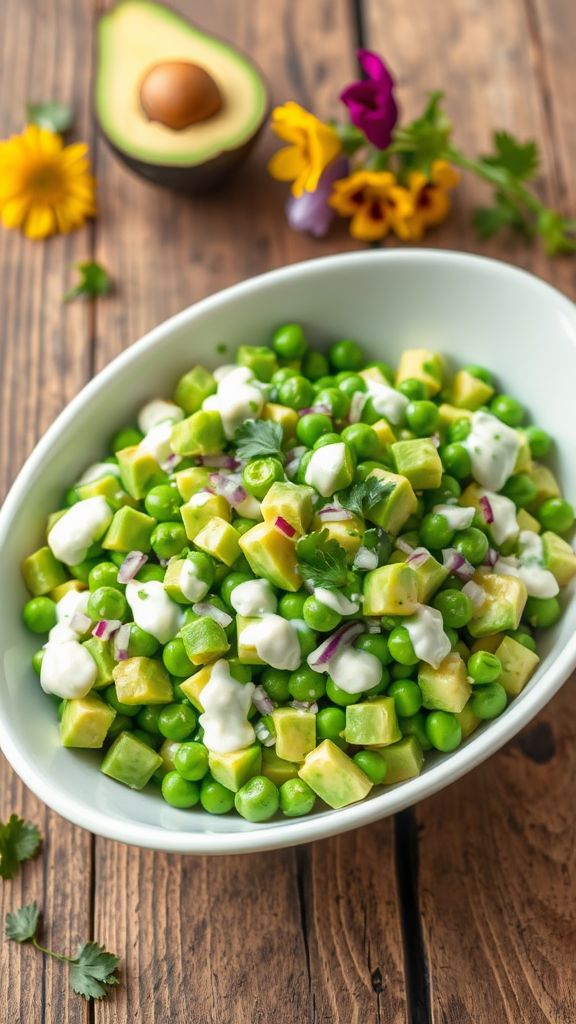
(371, 102)
(310, 211)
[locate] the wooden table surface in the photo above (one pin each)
(462, 910)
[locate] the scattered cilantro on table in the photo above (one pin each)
(19, 840)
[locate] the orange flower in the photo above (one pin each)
(430, 196)
(375, 202)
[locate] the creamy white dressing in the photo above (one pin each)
(336, 601)
(275, 641)
(530, 548)
(67, 670)
(153, 610)
(223, 371)
(226, 703)
(199, 499)
(237, 399)
(75, 602)
(79, 527)
(98, 470)
(426, 631)
(457, 516)
(158, 411)
(192, 587)
(354, 671)
(254, 597)
(325, 467)
(529, 567)
(386, 400)
(493, 448)
(505, 525)
(157, 442)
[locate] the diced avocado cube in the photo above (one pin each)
(391, 590)
(131, 761)
(129, 530)
(41, 572)
(220, 539)
(418, 460)
(190, 481)
(102, 654)
(85, 722)
(527, 522)
(201, 433)
(445, 688)
(138, 470)
(392, 512)
(261, 360)
(234, 769)
(282, 414)
(108, 487)
(204, 640)
(247, 654)
(194, 685)
(424, 365)
(53, 519)
(295, 733)
(449, 414)
(64, 588)
(467, 720)
(276, 768)
(372, 723)
(404, 760)
(167, 752)
(524, 463)
(503, 607)
(559, 557)
(347, 533)
(142, 681)
(545, 483)
(430, 574)
(334, 776)
(384, 432)
(469, 392)
(292, 502)
(272, 555)
(193, 388)
(518, 664)
(201, 509)
(487, 643)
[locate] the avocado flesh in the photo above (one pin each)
(137, 34)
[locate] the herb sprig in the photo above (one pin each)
(322, 561)
(258, 438)
(94, 281)
(360, 497)
(19, 840)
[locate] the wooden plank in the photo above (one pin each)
(44, 359)
(495, 851)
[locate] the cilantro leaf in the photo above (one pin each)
(427, 138)
(488, 220)
(256, 438)
(92, 970)
(19, 840)
(322, 561)
(94, 281)
(22, 925)
(361, 497)
(520, 159)
(54, 116)
(558, 233)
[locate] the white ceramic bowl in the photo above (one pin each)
(472, 309)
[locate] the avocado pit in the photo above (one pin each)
(179, 94)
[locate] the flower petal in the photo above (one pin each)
(286, 164)
(367, 228)
(40, 222)
(373, 66)
(14, 212)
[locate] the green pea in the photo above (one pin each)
(422, 417)
(351, 383)
(150, 573)
(415, 725)
(524, 638)
(302, 467)
(319, 617)
(168, 539)
(480, 373)
(214, 797)
(111, 698)
(376, 644)
(163, 503)
(407, 697)
(296, 798)
(456, 608)
(372, 764)
(459, 431)
(508, 410)
(385, 369)
(520, 489)
(435, 532)
(39, 614)
(150, 739)
(276, 683)
(242, 525)
(72, 497)
(105, 574)
(443, 731)
(338, 696)
(363, 440)
(289, 341)
(556, 514)
(311, 426)
(369, 414)
(331, 438)
(37, 659)
(472, 544)
(315, 365)
(398, 671)
(259, 475)
(413, 389)
(484, 667)
(126, 438)
(449, 488)
(147, 719)
(456, 460)
(306, 685)
(191, 761)
(82, 570)
(335, 400)
(258, 799)
(542, 612)
(539, 440)
(141, 644)
(177, 721)
(284, 373)
(107, 603)
(178, 792)
(330, 724)
(400, 646)
(489, 701)
(346, 355)
(175, 659)
(323, 382)
(291, 606)
(296, 392)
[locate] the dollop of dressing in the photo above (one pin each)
(226, 703)
(68, 669)
(275, 641)
(493, 448)
(336, 601)
(158, 411)
(75, 602)
(426, 631)
(157, 443)
(386, 400)
(354, 671)
(153, 610)
(192, 587)
(458, 517)
(504, 525)
(254, 597)
(98, 470)
(76, 531)
(325, 467)
(529, 567)
(237, 398)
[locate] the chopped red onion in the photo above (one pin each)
(106, 628)
(131, 566)
(210, 611)
(320, 407)
(318, 659)
(229, 486)
(357, 404)
(457, 564)
(284, 527)
(80, 623)
(475, 593)
(486, 509)
(305, 705)
(334, 514)
(218, 461)
(417, 557)
(262, 701)
(491, 557)
(171, 462)
(404, 546)
(365, 558)
(121, 641)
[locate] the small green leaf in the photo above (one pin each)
(56, 117)
(504, 214)
(427, 138)
(361, 497)
(258, 438)
(322, 561)
(557, 233)
(520, 159)
(21, 925)
(19, 840)
(94, 281)
(92, 971)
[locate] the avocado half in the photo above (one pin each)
(135, 38)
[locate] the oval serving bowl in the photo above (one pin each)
(471, 309)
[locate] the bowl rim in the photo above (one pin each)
(289, 832)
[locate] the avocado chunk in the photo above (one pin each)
(204, 640)
(293, 502)
(333, 775)
(129, 530)
(234, 769)
(276, 768)
(384, 432)
(391, 590)
(424, 365)
(142, 681)
(449, 414)
(527, 522)
(193, 387)
(295, 733)
(247, 653)
(131, 761)
(200, 509)
(85, 722)
(429, 572)
(261, 360)
(392, 512)
(272, 555)
(559, 557)
(503, 607)
(347, 533)
(138, 470)
(201, 433)
(419, 462)
(518, 664)
(546, 485)
(445, 688)
(194, 685)
(469, 392)
(41, 572)
(372, 723)
(102, 654)
(287, 418)
(404, 760)
(467, 720)
(108, 487)
(64, 588)
(190, 481)
(178, 106)
(219, 539)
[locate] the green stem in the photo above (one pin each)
(50, 952)
(493, 177)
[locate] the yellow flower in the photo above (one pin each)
(430, 195)
(375, 202)
(313, 145)
(45, 187)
